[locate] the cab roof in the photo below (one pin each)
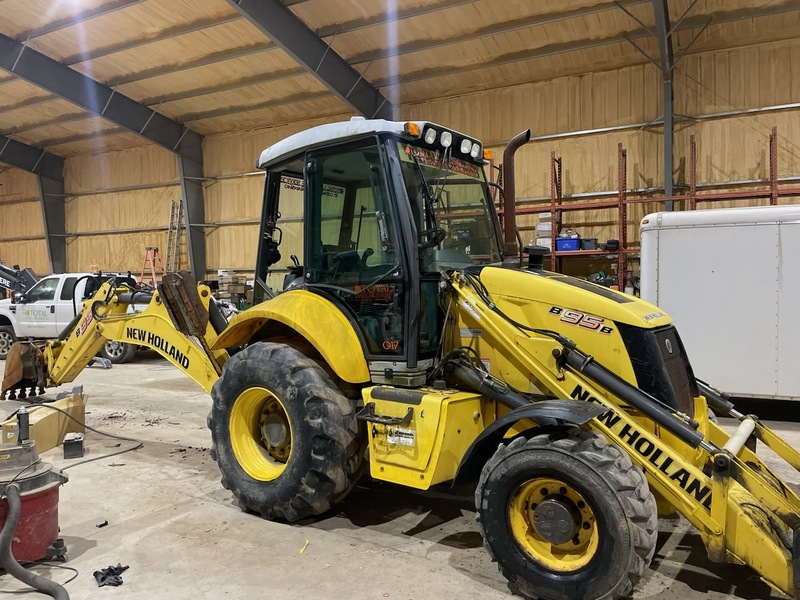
(333, 132)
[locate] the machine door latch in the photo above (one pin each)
(368, 414)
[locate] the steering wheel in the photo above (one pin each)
(431, 237)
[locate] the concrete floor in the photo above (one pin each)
(177, 528)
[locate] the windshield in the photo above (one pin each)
(456, 224)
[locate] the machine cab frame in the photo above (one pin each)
(333, 199)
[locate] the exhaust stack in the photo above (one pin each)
(509, 194)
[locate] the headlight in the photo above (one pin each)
(446, 139)
(466, 146)
(476, 150)
(430, 136)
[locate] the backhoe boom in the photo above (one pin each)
(105, 316)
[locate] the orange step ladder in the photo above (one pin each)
(152, 257)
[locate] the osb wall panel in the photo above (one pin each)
(749, 77)
(121, 210)
(31, 254)
(232, 247)
(625, 96)
(113, 252)
(234, 199)
(134, 166)
(16, 184)
(21, 220)
(737, 148)
(237, 152)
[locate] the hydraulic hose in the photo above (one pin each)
(7, 560)
(469, 378)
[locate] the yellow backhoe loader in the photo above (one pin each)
(415, 337)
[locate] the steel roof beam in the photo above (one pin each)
(98, 99)
(101, 100)
(284, 28)
(552, 50)
(415, 47)
(31, 159)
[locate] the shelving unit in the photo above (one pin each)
(557, 208)
(775, 190)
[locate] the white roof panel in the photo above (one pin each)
(356, 126)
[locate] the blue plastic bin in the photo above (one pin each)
(567, 244)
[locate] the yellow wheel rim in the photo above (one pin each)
(533, 531)
(261, 434)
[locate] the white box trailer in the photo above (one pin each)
(730, 278)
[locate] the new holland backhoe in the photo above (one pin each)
(412, 336)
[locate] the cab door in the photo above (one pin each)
(36, 317)
(351, 250)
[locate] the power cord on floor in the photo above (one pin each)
(138, 443)
(49, 565)
(21, 472)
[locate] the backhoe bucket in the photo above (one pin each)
(24, 372)
(179, 293)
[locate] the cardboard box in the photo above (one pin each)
(48, 427)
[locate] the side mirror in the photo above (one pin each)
(19, 298)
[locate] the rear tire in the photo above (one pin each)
(309, 459)
(7, 339)
(603, 535)
(118, 352)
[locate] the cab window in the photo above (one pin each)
(44, 290)
(68, 289)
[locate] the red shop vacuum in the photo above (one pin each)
(29, 510)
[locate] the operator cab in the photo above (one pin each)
(370, 212)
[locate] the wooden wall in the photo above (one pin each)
(102, 209)
(21, 217)
(730, 148)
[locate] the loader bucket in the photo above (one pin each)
(24, 372)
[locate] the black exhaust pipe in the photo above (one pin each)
(509, 194)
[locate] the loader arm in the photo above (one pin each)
(743, 511)
(175, 323)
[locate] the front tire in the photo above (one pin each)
(567, 515)
(7, 339)
(118, 352)
(283, 435)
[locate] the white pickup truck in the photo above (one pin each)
(46, 309)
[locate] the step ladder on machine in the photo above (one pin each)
(174, 236)
(152, 258)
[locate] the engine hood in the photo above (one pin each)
(517, 287)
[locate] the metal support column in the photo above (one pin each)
(622, 217)
(51, 194)
(191, 175)
(773, 167)
(663, 33)
(692, 173)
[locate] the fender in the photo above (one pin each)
(318, 320)
(8, 313)
(546, 412)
